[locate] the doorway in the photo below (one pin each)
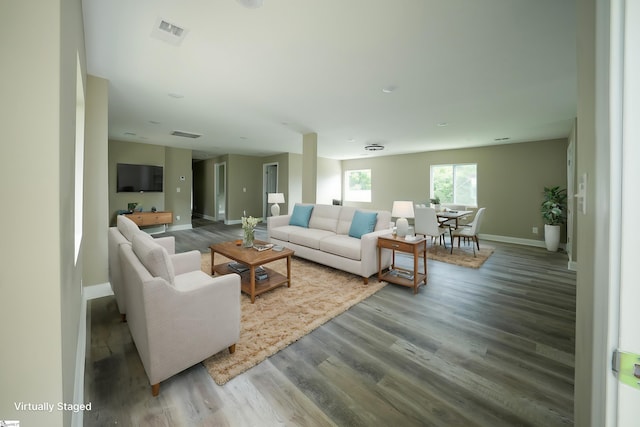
(220, 196)
(269, 184)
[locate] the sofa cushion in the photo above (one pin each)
(126, 227)
(301, 215)
(154, 257)
(325, 217)
(344, 220)
(309, 237)
(283, 232)
(342, 245)
(362, 223)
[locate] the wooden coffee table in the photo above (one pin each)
(252, 259)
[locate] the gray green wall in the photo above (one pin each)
(40, 279)
(511, 179)
(96, 185)
(176, 163)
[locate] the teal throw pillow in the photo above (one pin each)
(301, 215)
(362, 223)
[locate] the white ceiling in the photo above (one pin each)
(253, 81)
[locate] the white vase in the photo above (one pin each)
(552, 237)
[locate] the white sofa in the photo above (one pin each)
(326, 239)
(123, 233)
(178, 315)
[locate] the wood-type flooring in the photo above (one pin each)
(486, 347)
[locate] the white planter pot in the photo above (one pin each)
(552, 237)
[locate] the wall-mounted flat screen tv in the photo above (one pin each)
(139, 178)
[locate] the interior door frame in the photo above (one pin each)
(265, 184)
(216, 174)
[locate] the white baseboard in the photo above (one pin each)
(180, 227)
(514, 240)
(573, 266)
(88, 293)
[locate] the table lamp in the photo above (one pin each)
(402, 210)
(275, 198)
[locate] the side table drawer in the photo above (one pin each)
(396, 245)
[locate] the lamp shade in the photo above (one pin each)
(275, 198)
(402, 209)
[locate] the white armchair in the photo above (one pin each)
(123, 233)
(177, 314)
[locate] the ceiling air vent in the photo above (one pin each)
(185, 134)
(374, 147)
(169, 32)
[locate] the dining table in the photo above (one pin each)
(444, 216)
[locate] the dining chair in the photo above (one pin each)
(470, 231)
(426, 223)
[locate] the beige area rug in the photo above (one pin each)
(284, 315)
(462, 256)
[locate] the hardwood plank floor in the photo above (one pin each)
(486, 347)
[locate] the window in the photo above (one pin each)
(456, 184)
(357, 185)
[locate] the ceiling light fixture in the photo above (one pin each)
(443, 124)
(389, 89)
(251, 4)
(374, 147)
(502, 139)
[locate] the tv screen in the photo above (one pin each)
(137, 178)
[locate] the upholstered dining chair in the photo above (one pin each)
(426, 223)
(469, 232)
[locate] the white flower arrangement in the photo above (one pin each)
(249, 223)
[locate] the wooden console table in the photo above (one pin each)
(401, 276)
(145, 219)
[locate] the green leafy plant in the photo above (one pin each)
(435, 200)
(554, 206)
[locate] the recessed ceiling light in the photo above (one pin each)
(443, 124)
(351, 140)
(502, 139)
(176, 95)
(243, 137)
(389, 89)
(130, 133)
(251, 4)
(374, 147)
(153, 122)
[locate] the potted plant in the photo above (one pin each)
(435, 203)
(554, 214)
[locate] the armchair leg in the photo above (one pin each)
(232, 348)
(365, 280)
(123, 317)
(155, 389)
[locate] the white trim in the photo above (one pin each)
(209, 217)
(515, 240)
(179, 227)
(97, 291)
(88, 293)
(572, 265)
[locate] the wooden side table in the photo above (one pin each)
(402, 276)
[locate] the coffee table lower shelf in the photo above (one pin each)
(273, 280)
